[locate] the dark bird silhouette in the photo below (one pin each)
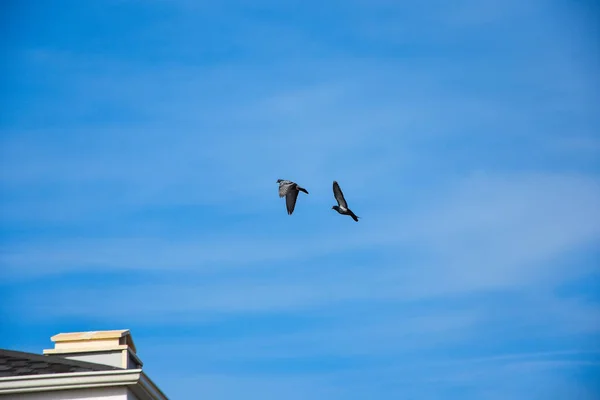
(342, 206)
(290, 190)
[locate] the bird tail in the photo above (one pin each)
(302, 189)
(354, 217)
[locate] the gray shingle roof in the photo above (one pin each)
(16, 363)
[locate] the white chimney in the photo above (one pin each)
(114, 348)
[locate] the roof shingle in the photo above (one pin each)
(18, 363)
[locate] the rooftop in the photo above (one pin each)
(79, 361)
(17, 363)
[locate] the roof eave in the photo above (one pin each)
(149, 389)
(135, 379)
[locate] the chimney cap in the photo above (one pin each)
(122, 335)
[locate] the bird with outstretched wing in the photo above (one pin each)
(289, 190)
(342, 206)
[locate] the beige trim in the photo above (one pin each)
(86, 349)
(124, 360)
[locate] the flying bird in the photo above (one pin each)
(290, 190)
(342, 206)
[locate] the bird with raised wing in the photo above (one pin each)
(290, 190)
(342, 206)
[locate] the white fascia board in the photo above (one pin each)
(80, 380)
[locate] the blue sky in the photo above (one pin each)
(141, 141)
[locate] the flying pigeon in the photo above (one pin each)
(290, 190)
(342, 206)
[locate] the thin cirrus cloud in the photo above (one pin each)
(138, 168)
(534, 217)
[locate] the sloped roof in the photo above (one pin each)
(18, 363)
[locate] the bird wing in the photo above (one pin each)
(339, 196)
(290, 201)
(284, 187)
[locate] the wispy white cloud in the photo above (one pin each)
(388, 115)
(377, 337)
(143, 194)
(484, 230)
(423, 378)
